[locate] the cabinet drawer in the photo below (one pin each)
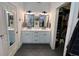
(35, 41)
(27, 40)
(44, 33)
(35, 35)
(27, 33)
(35, 32)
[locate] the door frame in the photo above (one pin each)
(3, 35)
(56, 22)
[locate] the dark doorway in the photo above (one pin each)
(62, 25)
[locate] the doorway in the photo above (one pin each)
(63, 16)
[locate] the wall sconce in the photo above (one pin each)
(29, 11)
(44, 12)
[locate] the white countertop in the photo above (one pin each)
(9, 28)
(36, 29)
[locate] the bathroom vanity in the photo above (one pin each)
(36, 35)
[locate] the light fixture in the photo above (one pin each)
(29, 11)
(44, 12)
(38, 2)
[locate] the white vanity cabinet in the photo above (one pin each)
(36, 36)
(27, 37)
(44, 37)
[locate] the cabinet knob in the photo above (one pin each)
(17, 32)
(36, 40)
(1, 35)
(35, 35)
(35, 32)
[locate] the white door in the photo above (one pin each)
(3, 34)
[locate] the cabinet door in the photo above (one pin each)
(29, 18)
(44, 37)
(27, 37)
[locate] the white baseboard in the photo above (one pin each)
(15, 50)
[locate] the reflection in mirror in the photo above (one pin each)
(11, 28)
(29, 20)
(10, 20)
(43, 21)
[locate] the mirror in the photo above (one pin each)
(36, 21)
(11, 27)
(43, 20)
(29, 20)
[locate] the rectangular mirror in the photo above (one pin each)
(29, 20)
(11, 27)
(42, 19)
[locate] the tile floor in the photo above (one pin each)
(38, 50)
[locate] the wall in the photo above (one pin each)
(53, 13)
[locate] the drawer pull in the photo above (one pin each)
(17, 32)
(1, 35)
(35, 35)
(36, 40)
(35, 32)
